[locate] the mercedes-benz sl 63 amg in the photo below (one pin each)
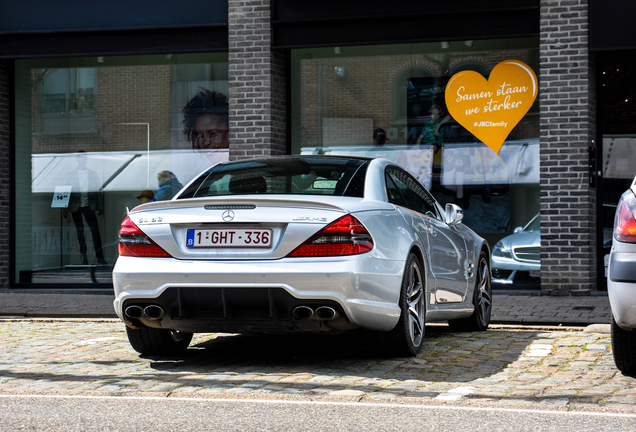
(299, 243)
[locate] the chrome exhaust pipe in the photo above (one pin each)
(134, 312)
(303, 312)
(326, 313)
(154, 312)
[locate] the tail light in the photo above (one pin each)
(344, 236)
(625, 222)
(133, 242)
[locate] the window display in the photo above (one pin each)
(98, 136)
(618, 124)
(388, 101)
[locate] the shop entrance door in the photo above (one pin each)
(617, 152)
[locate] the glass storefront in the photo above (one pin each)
(388, 101)
(97, 136)
(618, 123)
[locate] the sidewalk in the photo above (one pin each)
(555, 310)
(77, 303)
(507, 308)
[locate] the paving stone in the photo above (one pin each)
(348, 393)
(555, 401)
(384, 395)
(109, 387)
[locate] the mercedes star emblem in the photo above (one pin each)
(228, 215)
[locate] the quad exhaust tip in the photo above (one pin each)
(153, 312)
(303, 312)
(321, 313)
(134, 312)
(325, 313)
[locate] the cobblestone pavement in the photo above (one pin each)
(564, 368)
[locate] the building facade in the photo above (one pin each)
(95, 104)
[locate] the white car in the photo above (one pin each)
(307, 243)
(621, 283)
(516, 259)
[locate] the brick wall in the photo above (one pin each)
(4, 174)
(568, 253)
(256, 83)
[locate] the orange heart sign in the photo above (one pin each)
(491, 109)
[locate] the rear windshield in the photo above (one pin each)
(285, 175)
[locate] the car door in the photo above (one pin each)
(447, 247)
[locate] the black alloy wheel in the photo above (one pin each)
(407, 336)
(482, 300)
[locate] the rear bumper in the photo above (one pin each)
(621, 284)
(622, 267)
(200, 296)
(622, 297)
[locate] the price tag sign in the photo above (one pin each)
(61, 197)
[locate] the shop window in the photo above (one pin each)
(618, 121)
(97, 136)
(343, 99)
(471, 66)
(65, 100)
(401, 84)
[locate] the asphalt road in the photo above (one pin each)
(77, 413)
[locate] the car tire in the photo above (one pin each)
(407, 336)
(158, 341)
(624, 348)
(482, 300)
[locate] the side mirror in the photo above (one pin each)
(454, 214)
(518, 230)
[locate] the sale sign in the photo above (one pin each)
(491, 108)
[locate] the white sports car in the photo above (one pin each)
(516, 259)
(621, 283)
(299, 243)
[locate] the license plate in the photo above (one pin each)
(229, 238)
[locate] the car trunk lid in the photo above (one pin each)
(242, 227)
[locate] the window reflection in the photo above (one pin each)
(93, 140)
(341, 100)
